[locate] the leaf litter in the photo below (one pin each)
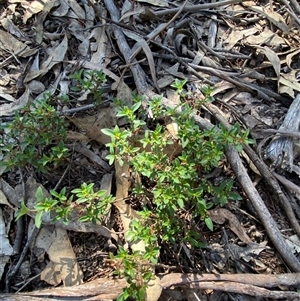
(249, 50)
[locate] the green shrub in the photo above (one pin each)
(174, 166)
(34, 138)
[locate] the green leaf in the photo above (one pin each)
(239, 147)
(23, 210)
(108, 132)
(84, 218)
(75, 89)
(136, 106)
(180, 203)
(76, 190)
(234, 196)
(101, 193)
(142, 294)
(111, 159)
(38, 219)
(81, 200)
(39, 194)
(209, 223)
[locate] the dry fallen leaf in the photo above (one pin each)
(273, 58)
(92, 125)
(162, 3)
(237, 35)
(8, 109)
(142, 43)
(10, 44)
(57, 55)
(63, 265)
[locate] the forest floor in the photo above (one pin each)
(247, 52)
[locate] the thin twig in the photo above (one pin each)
(196, 8)
(14, 270)
(161, 29)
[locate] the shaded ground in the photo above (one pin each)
(248, 50)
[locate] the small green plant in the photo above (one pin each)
(91, 81)
(34, 138)
(96, 204)
(137, 269)
(179, 86)
(178, 184)
(174, 166)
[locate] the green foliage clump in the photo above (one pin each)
(34, 138)
(178, 184)
(178, 193)
(94, 205)
(91, 81)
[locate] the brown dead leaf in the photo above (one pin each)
(75, 136)
(273, 58)
(272, 16)
(290, 81)
(31, 8)
(92, 125)
(91, 155)
(289, 57)
(62, 10)
(220, 216)
(266, 37)
(237, 35)
(12, 45)
(130, 13)
(10, 27)
(5, 247)
(100, 46)
(123, 92)
(57, 55)
(41, 17)
(63, 266)
(8, 109)
(161, 3)
(142, 43)
(75, 11)
(147, 14)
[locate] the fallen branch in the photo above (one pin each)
(107, 289)
(257, 202)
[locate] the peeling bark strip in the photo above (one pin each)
(281, 149)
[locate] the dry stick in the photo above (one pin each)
(291, 11)
(232, 154)
(152, 36)
(296, 6)
(258, 204)
(264, 215)
(288, 184)
(196, 8)
(239, 288)
(182, 62)
(14, 270)
(137, 71)
(262, 93)
(282, 132)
